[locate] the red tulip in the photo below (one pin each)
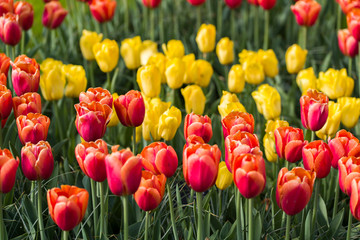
(314, 110)
(249, 174)
(130, 109)
(233, 3)
(5, 102)
(347, 43)
(196, 2)
(25, 12)
(54, 14)
(37, 161)
(237, 121)
(353, 23)
(254, 2)
(200, 166)
(123, 171)
(8, 167)
(91, 120)
(160, 158)
(289, 142)
(354, 198)
(4, 63)
(267, 4)
(32, 127)
(103, 10)
(6, 6)
(306, 12)
(348, 5)
(98, 94)
(28, 103)
(151, 190)
(151, 3)
(3, 79)
(349, 168)
(294, 189)
(91, 159)
(67, 206)
(25, 75)
(10, 30)
(198, 125)
(317, 157)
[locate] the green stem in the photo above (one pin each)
(302, 226)
(146, 226)
(238, 215)
(41, 222)
(57, 116)
(338, 22)
(336, 197)
(251, 220)
(2, 237)
(200, 225)
(152, 25)
(13, 53)
(219, 17)
(256, 26)
(350, 67)
(22, 44)
(126, 16)
(125, 200)
(315, 206)
(303, 37)
(288, 221)
(65, 235)
(161, 23)
(94, 204)
(108, 81)
(103, 219)
(233, 24)
(312, 136)
(172, 217)
(220, 203)
(134, 141)
(348, 232)
(32, 191)
(91, 68)
(198, 17)
(266, 30)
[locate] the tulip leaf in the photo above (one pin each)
(134, 229)
(232, 232)
(156, 228)
(29, 212)
(326, 62)
(308, 225)
(258, 226)
(335, 224)
(57, 147)
(215, 235)
(225, 230)
(323, 210)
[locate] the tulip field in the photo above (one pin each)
(185, 119)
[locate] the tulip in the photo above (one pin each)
(247, 56)
(194, 99)
(333, 122)
(253, 2)
(151, 191)
(4, 64)
(306, 79)
(114, 120)
(130, 109)
(196, 2)
(76, 80)
(348, 5)
(350, 111)
(335, 83)
(236, 79)
(175, 73)
(173, 49)
(106, 54)
(200, 166)
(25, 12)
(224, 178)
(87, 41)
(198, 125)
(100, 95)
(52, 81)
(314, 109)
(206, 37)
(91, 159)
(8, 167)
(10, 29)
(249, 174)
(295, 58)
(347, 43)
(306, 12)
(32, 127)
(149, 80)
(269, 138)
(91, 120)
(237, 122)
(268, 101)
(344, 144)
(54, 14)
(6, 6)
(188, 60)
(169, 122)
(25, 75)
(294, 189)
(27, 103)
(103, 10)
(3, 79)
(5, 102)
(151, 3)
(160, 158)
(201, 72)
(354, 198)
(159, 60)
(225, 51)
(193, 139)
(317, 157)
(67, 205)
(148, 48)
(123, 171)
(269, 62)
(349, 168)
(289, 142)
(229, 103)
(267, 4)
(130, 52)
(254, 72)
(232, 4)
(353, 22)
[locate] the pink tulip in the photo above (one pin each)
(317, 157)
(198, 125)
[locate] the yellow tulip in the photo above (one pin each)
(52, 80)
(254, 72)
(224, 177)
(148, 48)
(169, 122)
(106, 54)
(228, 103)
(247, 55)
(268, 101)
(333, 122)
(114, 120)
(269, 138)
(194, 99)
(130, 52)
(206, 38)
(306, 79)
(188, 60)
(269, 62)
(149, 80)
(175, 72)
(335, 83)
(225, 51)
(76, 80)
(228, 97)
(87, 41)
(174, 49)
(201, 72)
(295, 58)
(350, 111)
(236, 79)
(159, 60)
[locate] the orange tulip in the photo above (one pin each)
(27, 103)
(198, 125)
(5, 102)
(98, 94)
(8, 167)
(349, 168)
(103, 10)
(237, 121)
(32, 127)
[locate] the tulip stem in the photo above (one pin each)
(13, 53)
(2, 237)
(198, 17)
(57, 117)
(238, 215)
(200, 226)
(65, 235)
(350, 66)
(93, 199)
(233, 25)
(22, 46)
(146, 226)
(219, 17)
(125, 200)
(251, 220)
(91, 68)
(126, 16)
(102, 209)
(41, 223)
(288, 221)
(161, 23)
(172, 217)
(302, 37)
(152, 25)
(348, 232)
(256, 26)
(339, 16)
(220, 203)
(266, 30)
(108, 80)
(315, 206)
(336, 197)
(134, 141)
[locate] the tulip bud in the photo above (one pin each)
(353, 22)
(52, 81)
(269, 62)
(347, 43)
(333, 121)
(194, 99)
(175, 73)
(149, 80)
(237, 122)
(106, 54)
(151, 3)
(269, 138)
(159, 60)
(87, 41)
(206, 38)
(173, 49)
(236, 79)
(27, 103)
(254, 72)
(267, 4)
(198, 125)
(295, 58)
(349, 168)
(317, 158)
(4, 64)
(130, 52)
(224, 178)
(354, 198)
(6, 6)
(196, 2)
(268, 101)
(335, 83)
(8, 167)
(188, 60)
(25, 12)
(201, 72)
(25, 75)
(306, 12)
(10, 29)
(306, 80)
(350, 111)
(232, 4)
(169, 122)
(5, 102)
(348, 5)
(225, 51)
(229, 103)
(76, 80)
(32, 127)
(130, 108)
(100, 95)
(103, 10)
(148, 48)
(54, 14)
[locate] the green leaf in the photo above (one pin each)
(323, 211)
(308, 225)
(225, 230)
(325, 64)
(335, 224)
(258, 226)
(232, 232)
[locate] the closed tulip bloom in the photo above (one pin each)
(130, 52)
(160, 158)
(267, 4)
(188, 60)
(52, 81)
(103, 10)
(26, 103)
(333, 121)
(236, 79)
(268, 101)
(151, 190)
(32, 127)
(247, 55)
(87, 41)
(159, 60)
(350, 111)
(295, 58)
(194, 99)
(5, 102)
(294, 189)
(76, 80)
(269, 62)
(4, 64)
(249, 174)
(306, 12)
(229, 103)
(149, 80)
(344, 144)
(306, 79)
(169, 122)
(201, 165)
(348, 5)
(289, 143)
(173, 49)
(114, 120)
(196, 2)
(349, 168)
(130, 108)
(37, 161)
(269, 138)
(201, 72)
(67, 206)
(224, 178)
(91, 159)
(98, 94)
(175, 73)
(335, 83)
(106, 54)
(353, 22)
(198, 125)
(254, 72)
(206, 37)
(232, 4)
(123, 171)
(225, 51)
(148, 48)
(25, 12)
(354, 198)
(8, 167)
(25, 75)
(6, 6)
(10, 30)
(151, 3)
(237, 122)
(317, 157)
(54, 14)
(347, 43)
